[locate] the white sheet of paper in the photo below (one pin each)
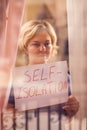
(40, 85)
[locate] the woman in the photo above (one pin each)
(38, 41)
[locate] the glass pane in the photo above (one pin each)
(68, 18)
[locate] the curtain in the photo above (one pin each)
(10, 22)
(77, 31)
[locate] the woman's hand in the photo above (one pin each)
(71, 106)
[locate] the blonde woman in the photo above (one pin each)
(37, 41)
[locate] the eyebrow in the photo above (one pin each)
(35, 41)
(39, 42)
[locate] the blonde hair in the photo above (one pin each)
(29, 29)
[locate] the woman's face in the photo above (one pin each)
(39, 48)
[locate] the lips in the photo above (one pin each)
(43, 54)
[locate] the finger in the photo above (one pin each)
(71, 97)
(73, 107)
(68, 108)
(72, 103)
(71, 113)
(72, 100)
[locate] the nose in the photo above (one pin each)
(42, 48)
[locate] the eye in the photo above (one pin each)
(36, 44)
(47, 44)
